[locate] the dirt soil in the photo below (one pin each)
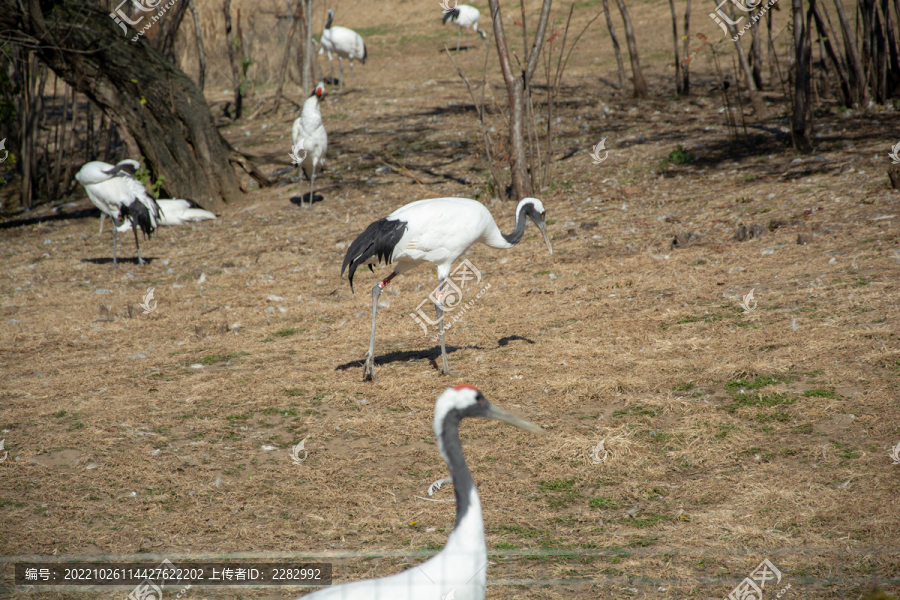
(730, 434)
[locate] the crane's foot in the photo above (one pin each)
(445, 370)
(438, 484)
(369, 369)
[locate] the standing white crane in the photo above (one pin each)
(344, 42)
(118, 195)
(175, 212)
(436, 231)
(308, 133)
(465, 17)
(458, 571)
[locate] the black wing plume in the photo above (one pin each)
(450, 15)
(139, 215)
(378, 240)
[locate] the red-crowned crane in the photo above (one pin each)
(176, 212)
(114, 190)
(465, 17)
(309, 130)
(459, 571)
(344, 42)
(436, 231)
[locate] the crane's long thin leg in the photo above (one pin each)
(445, 367)
(341, 64)
(134, 228)
(312, 180)
(351, 72)
(115, 242)
(369, 368)
(102, 217)
(458, 35)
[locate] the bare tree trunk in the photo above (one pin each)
(679, 84)
(800, 123)
(615, 42)
(282, 70)
(516, 84)
(759, 107)
(843, 80)
(235, 74)
(61, 143)
(686, 69)
(154, 103)
(309, 54)
(201, 56)
(894, 71)
(640, 86)
(756, 54)
(166, 39)
(71, 155)
(857, 75)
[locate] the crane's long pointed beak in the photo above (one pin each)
(543, 227)
(498, 414)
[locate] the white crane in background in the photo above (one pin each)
(344, 42)
(309, 135)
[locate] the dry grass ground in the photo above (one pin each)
(766, 431)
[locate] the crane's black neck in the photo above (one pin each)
(330, 18)
(463, 484)
(516, 235)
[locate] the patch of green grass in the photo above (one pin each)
(679, 156)
(751, 384)
(650, 520)
(820, 393)
(214, 358)
(505, 546)
(284, 412)
(604, 503)
(760, 400)
(286, 332)
(238, 418)
(637, 541)
(371, 31)
(542, 273)
(781, 417)
(683, 387)
(58, 415)
(294, 392)
(724, 429)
